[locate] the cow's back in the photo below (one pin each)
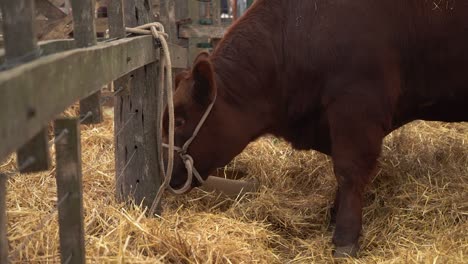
(418, 47)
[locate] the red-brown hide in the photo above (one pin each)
(334, 76)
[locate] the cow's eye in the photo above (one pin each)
(179, 122)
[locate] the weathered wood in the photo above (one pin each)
(216, 12)
(116, 19)
(21, 47)
(101, 25)
(49, 10)
(3, 220)
(136, 150)
(34, 93)
(172, 11)
(41, 161)
(84, 30)
(19, 44)
(49, 47)
(84, 33)
(202, 31)
(69, 191)
(55, 29)
(179, 56)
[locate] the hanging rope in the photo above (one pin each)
(165, 80)
(165, 77)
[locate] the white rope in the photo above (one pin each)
(157, 30)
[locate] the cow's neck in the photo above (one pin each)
(246, 62)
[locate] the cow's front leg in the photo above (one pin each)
(334, 208)
(356, 144)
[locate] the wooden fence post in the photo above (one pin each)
(84, 33)
(69, 191)
(136, 150)
(3, 220)
(170, 13)
(21, 47)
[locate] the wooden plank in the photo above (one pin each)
(101, 25)
(19, 44)
(115, 15)
(136, 119)
(216, 12)
(84, 33)
(84, 30)
(21, 47)
(202, 31)
(170, 12)
(36, 92)
(49, 47)
(116, 19)
(179, 56)
(55, 29)
(49, 10)
(3, 220)
(70, 192)
(41, 161)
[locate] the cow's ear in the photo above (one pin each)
(201, 56)
(204, 88)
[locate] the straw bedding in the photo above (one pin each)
(416, 209)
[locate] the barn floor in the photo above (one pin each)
(416, 208)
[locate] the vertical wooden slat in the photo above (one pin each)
(117, 30)
(116, 19)
(20, 47)
(69, 191)
(38, 148)
(170, 12)
(137, 152)
(84, 33)
(3, 220)
(216, 12)
(18, 14)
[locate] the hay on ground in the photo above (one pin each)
(415, 211)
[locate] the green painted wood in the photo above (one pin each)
(70, 192)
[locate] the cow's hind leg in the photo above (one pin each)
(356, 144)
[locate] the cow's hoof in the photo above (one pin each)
(346, 251)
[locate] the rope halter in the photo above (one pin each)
(186, 158)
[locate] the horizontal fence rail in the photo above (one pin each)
(32, 94)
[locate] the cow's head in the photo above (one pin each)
(220, 137)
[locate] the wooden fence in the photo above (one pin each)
(39, 80)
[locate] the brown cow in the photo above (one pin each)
(334, 76)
